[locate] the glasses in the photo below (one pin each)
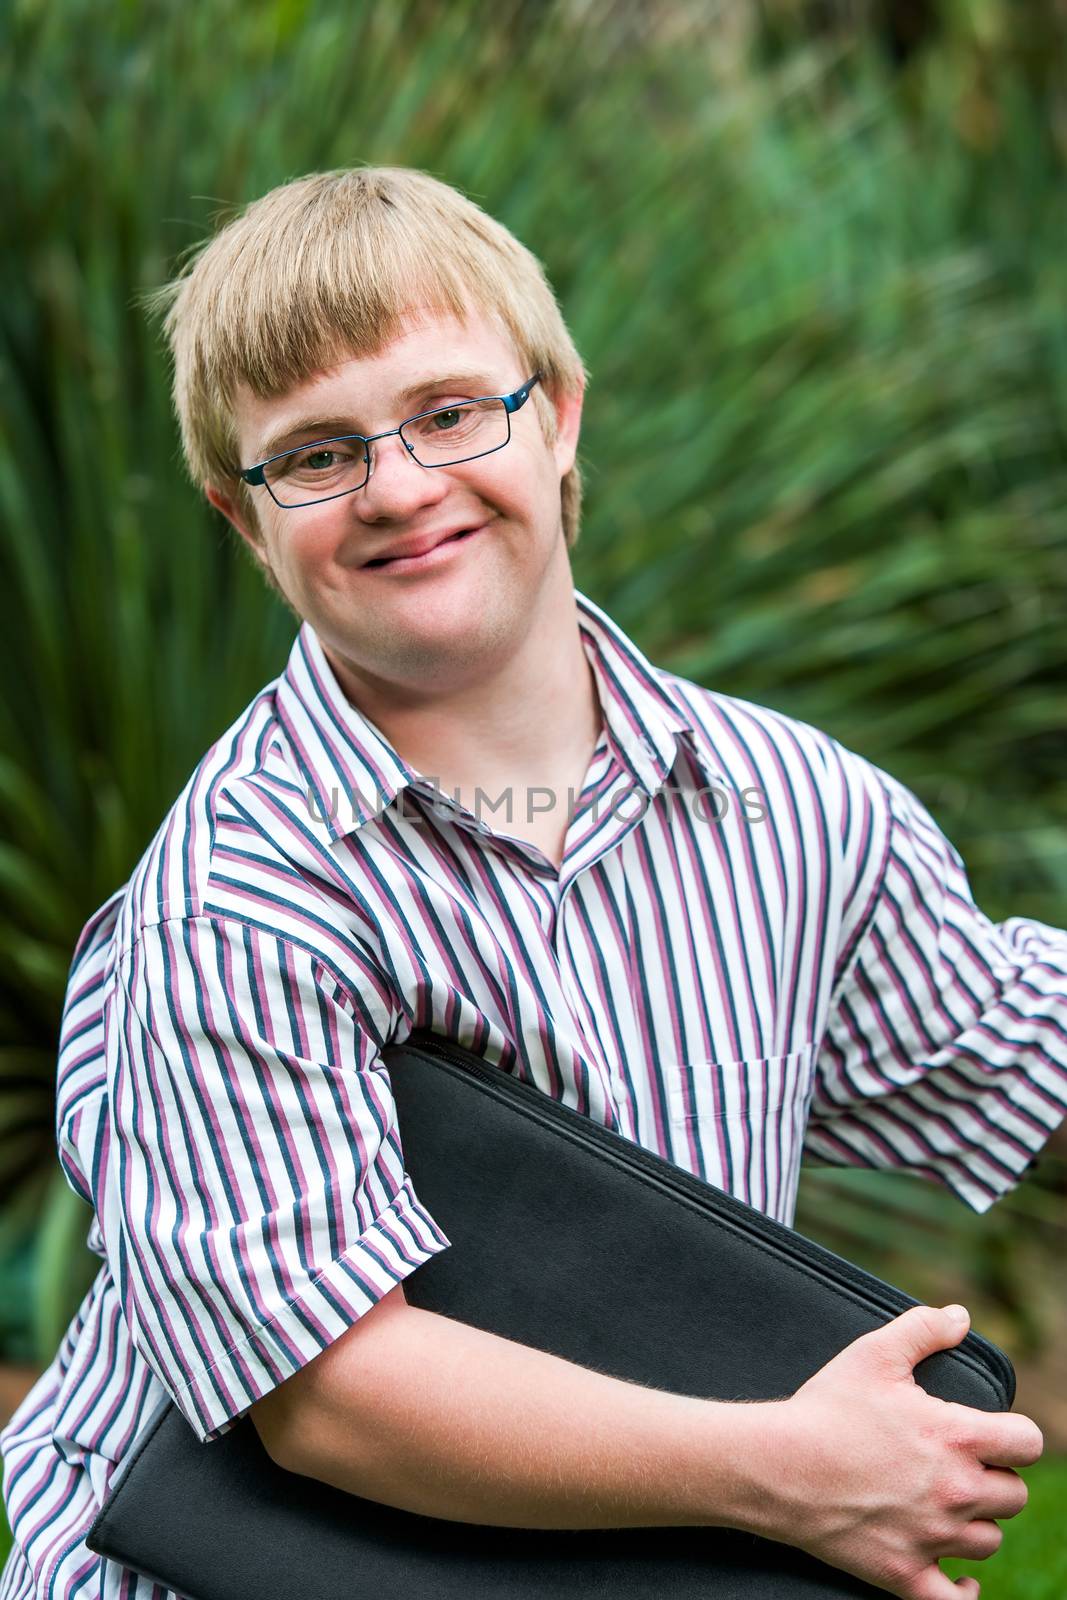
(444, 437)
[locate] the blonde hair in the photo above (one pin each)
(327, 267)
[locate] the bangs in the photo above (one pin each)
(329, 288)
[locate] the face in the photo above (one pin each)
(447, 618)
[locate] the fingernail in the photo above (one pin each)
(957, 1313)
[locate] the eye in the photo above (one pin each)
(442, 421)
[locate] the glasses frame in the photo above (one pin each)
(256, 475)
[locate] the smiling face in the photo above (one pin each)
(445, 619)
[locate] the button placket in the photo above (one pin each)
(615, 1091)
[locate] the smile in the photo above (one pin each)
(432, 558)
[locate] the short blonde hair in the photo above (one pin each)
(327, 267)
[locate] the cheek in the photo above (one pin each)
(522, 481)
(314, 543)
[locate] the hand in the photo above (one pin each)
(881, 1479)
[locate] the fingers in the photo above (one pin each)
(932, 1584)
(977, 1541)
(1000, 1494)
(999, 1438)
(1016, 1441)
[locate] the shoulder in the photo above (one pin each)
(783, 755)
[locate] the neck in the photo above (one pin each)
(532, 722)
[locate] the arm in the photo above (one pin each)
(244, 1093)
(246, 1100)
(438, 1417)
(861, 1467)
(945, 1049)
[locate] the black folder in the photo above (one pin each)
(571, 1238)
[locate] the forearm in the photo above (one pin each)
(437, 1417)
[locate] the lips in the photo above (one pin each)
(422, 547)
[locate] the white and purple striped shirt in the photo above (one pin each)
(759, 947)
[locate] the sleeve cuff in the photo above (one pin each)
(401, 1239)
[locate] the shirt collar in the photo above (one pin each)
(350, 772)
(644, 714)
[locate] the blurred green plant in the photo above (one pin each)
(823, 309)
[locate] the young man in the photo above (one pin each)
(470, 804)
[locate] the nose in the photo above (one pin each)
(398, 486)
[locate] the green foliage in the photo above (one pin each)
(822, 307)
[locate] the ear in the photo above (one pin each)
(233, 514)
(568, 409)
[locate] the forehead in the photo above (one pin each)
(369, 388)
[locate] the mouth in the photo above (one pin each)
(440, 553)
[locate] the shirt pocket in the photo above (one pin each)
(745, 1091)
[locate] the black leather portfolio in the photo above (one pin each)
(571, 1238)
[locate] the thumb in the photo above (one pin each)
(918, 1333)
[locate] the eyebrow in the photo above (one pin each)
(309, 428)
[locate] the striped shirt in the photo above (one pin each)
(759, 948)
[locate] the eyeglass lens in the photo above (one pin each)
(441, 438)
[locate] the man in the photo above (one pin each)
(702, 923)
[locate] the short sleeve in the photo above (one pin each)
(256, 1204)
(945, 1050)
